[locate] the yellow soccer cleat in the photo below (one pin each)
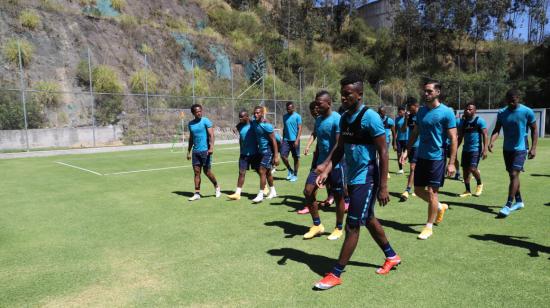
(336, 234)
(479, 190)
(465, 194)
(426, 232)
(441, 213)
(314, 231)
(234, 196)
(413, 194)
(405, 195)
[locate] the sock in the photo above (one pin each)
(338, 269)
(439, 205)
(400, 166)
(317, 221)
(339, 225)
(346, 199)
(518, 197)
(290, 170)
(272, 190)
(429, 225)
(478, 181)
(238, 191)
(509, 202)
(197, 192)
(388, 251)
(261, 193)
(467, 185)
(408, 189)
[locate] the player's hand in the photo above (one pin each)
(394, 148)
(210, 151)
(490, 147)
(532, 153)
(383, 195)
(451, 169)
(306, 151)
(403, 158)
(321, 179)
(297, 143)
(276, 160)
(189, 156)
(484, 154)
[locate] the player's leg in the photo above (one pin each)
(400, 147)
(410, 181)
(270, 181)
(197, 180)
(466, 170)
(243, 166)
(310, 194)
(207, 168)
(295, 150)
(429, 176)
(336, 180)
(285, 150)
(514, 161)
(377, 233)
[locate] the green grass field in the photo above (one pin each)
(70, 237)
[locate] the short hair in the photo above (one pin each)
(512, 92)
(435, 83)
(381, 107)
(258, 107)
(401, 108)
(411, 101)
(472, 103)
(243, 111)
(312, 105)
(354, 80)
(195, 106)
(289, 103)
(322, 93)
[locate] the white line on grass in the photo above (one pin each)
(80, 168)
(165, 168)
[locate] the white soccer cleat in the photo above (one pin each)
(195, 197)
(400, 171)
(259, 198)
(218, 192)
(272, 194)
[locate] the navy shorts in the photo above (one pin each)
(202, 159)
(249, 161)
(288, 147)
(429, 173)
(266, 159)
(470, 159)
(335, 180)
(401, 145)
(413, 155)
(514, 160)
(363, 199)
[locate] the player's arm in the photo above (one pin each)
(393, 134)
(380, 143)
(494, 135)
(534, 140)
(412, 139)
(189, 145)
(310, 142)
(210, 132)
(275, 148)
(334, 157)
(484, 138)
(297, 141)
(451, 134)
(405, 125)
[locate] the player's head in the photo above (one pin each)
(513, 97)
(290, 107)
(401, 111)
(470, 110)
(382, 111)
(323, 102)
(351, 91)
(412, 105)
(313, 110)
(258, 112)
(243, 117)
(431, 91)
(196, 110)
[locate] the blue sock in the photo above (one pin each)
(339, 225)
(518, 197)
(346, 199)
(408, 189)
(478, 181)
(317, 221)
(388, 251)
(509, 202)
(467, 185)
(338, 269)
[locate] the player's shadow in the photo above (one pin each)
(243, 194)
(292, 201)
(446, 193)
(396, 195)
(547, 204)
(480, 207)
(318, 264)
(538, 174)
(186, 194)
(289, 229)
(399, 226)
(517, 241)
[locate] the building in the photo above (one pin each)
(379, 14)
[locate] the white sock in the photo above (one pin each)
(261, 193)
(439, 205)
(429, 225)
(238, 191)
(272, 190)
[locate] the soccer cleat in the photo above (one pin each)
(266, 190)
(441, 213)
(314, 231)
(272, 194)
(517, 206)
(405, 196)
(388, 265)
(426, 232)
(289, 175)
(329, 201)
(329, 281)
(479, 190)
(259, 198)
(504, 211)
(336, 234)
(218, 192)
(273, 171)
(196, 196)
(293, 178)
(413, 194)
(465, 194)
(401, 172)
(389, 175)
(303, 211)
(234, 196)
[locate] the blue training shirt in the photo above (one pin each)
(247, 139)
(326, 130)
(433, 125)
(388, 124)
(359, 156)
(263, 130)
(471, 133)
(198, 129)
(401, 136)
(290, 128)
(514, 125)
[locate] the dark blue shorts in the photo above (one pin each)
(429, 173)
(401, 145)
(335, 180)
(413, 155)
(514, 160)
(266, 160)
(249, 161)
(363, 199)
(288, 147)
(202, 159)
(470, 159)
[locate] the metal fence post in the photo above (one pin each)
(232, 98)
(274, 101)
(193, 79)
(300, 87)
(23, 95)
(489, 96)
(91, 94)
(147, 102)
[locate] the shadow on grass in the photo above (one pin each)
(397, 195)
(480, 207)
(290, 229)
(450, 194)
(318, 264)
(294, 202)
(547, 204)
(399, 226)
(186, 194)
(243, 195)
(516, 241)
(538, 174)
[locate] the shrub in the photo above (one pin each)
(51, 5)
(49, 95)
(11, 112)
(137, 81)
(29, 19)
(127, 22)
(105, 79)
(82, 73)
(118, 4)
(87, 2)
(12, 54)
(145, 49)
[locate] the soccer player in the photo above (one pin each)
(473, 130)
(514, 120)
(327, 131)
(292, 130)
(248, 151)
(201, 141)
(269, 153)
(389, 127)
(314, 114)
(402, 135)
(362, 137)
(412, 151)
(435, 122)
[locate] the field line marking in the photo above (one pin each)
(77, 167)
(165, 168)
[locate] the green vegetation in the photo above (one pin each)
(137, 81)
(145, 49)
(48, 96)
(11, 51)
(11, 112)
(106, 79)
(127, 22)
(29, 19)
(118, 5)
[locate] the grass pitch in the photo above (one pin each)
(116, 229)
